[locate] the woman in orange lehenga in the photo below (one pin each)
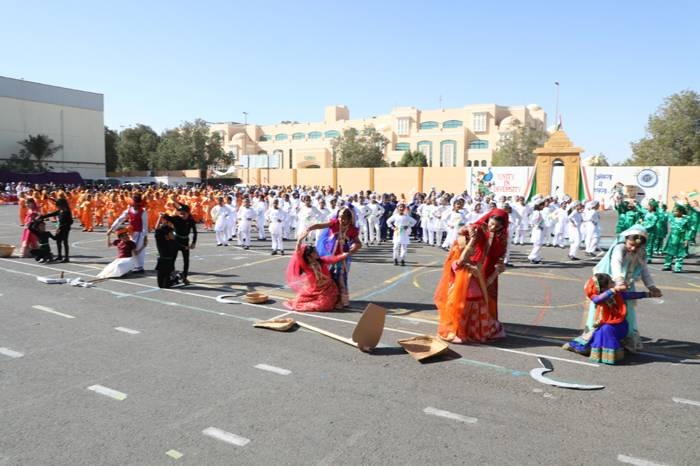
(467, 294)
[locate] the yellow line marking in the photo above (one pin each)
(542, 275)
(677, 288)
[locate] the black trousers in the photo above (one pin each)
(41, 253)
(165, 268)
(185, 250)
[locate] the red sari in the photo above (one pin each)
(315, 288)
(467, 295)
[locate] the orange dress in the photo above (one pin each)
(22, 203)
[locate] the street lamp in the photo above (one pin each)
(245, 145)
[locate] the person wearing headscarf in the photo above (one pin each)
(309, 276)
(339, 235)
(626, 263)
(467, 293)
(610, 327)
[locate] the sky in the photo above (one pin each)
(161, 63)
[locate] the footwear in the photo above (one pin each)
(219, 244)
(403, 263)
(65, 260)
(246, 247)
(274, 253)
(58, 258)
(138, 271)
(539, 261)
(574, 258)
(509, 264)
(281, 252)
(666, 268)
(42, 260)
(185, 281)
(677, 271)
(396, 262)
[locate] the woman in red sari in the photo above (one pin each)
(467, 294)
(29, 239)
(309, 277)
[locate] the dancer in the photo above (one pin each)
(126, 255)
(339, 235)
(245, 216)
(537, 222)
(65, 220)
(29, 239)
(467, 293)
(276, 217)
(167, 251)
(575, 220)
(678, 239)
(219, 215)
(42, 251)
(308, 275)
(604, 343)
(138, 226)
(183, 224)
(401, 223)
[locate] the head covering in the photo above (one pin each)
(300, 276)
(680, 208)
(184, 208)
(633, 230)
(122, 231)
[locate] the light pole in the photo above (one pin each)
(245, 145)
(556, 107)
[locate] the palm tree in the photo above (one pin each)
(40, 147)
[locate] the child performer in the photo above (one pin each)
(401, 223)
(245, 216)
(309, 277)
(138, 225)
(183, 224)
(276, 217)
(126, 255)
(167, 250)
(219, 214)
(65, 220)
(29, 240)
(610, 325)
(42, 253)
(678, 239)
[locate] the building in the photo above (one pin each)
(73, 119)
(456, 137)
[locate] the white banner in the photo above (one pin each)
(650, 182)
(499, 181)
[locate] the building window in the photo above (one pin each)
(298, 136)
(402, 146)
(469, 163)
(452, 124)
(448, 154)
(331, 134)
(480, 122)
(280, 137)
(426, 147)
(265, 137)
(479, 144)
(483, 163)
(429, 125)
(403, 126)
(315, 135)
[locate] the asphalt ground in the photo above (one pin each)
(199, 385)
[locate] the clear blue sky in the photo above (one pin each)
(161, 63)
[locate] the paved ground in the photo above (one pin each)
(197, 365)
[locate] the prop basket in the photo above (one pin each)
(6, 250)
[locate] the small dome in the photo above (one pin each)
(534, 108)
(508, 123)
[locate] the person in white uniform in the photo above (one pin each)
(401, 223)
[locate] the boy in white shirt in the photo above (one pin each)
(245, 217)
(401, 223)
(276, 218)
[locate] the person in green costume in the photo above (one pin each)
(661, 229)
(650, 222)
(678, 239)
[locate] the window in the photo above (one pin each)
(429, 125)
(427, 148)
(280, 137)
(315, 135)
(479, 144)
(298, 136)
(469, 163)
(331, 134)
(402, 146)
(265, 137)
(452, 124)
(403, 126)
(483, 163)
(480, 122)
(448, 154)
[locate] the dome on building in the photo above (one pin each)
(508, 124)
(534, 108)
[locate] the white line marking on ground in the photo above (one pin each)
(687, 402)
(108, 392)
(276, 370)
(224, 436)
(127, 330)
(583, 363)
(11, 353)
(637, 461)
(49, 310)
(174, 454)
(449, 415)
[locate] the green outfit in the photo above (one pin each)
(676, 246)
(661, 230)
(649, 222)
(694, 216)
(626, 217)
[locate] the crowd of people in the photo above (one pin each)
(328, 227)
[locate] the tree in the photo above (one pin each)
(517, 148)
(599, 160)
(359, 149)
(673, 133)
(137, 147)
(34, 154)
(191, 146)
(413, 159)
(111, 157)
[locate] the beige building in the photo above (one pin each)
(73, 119)
(455, 137)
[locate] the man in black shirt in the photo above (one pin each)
(183, 223)
(167, 251)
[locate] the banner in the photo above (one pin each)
(499, 181)
(639, 182)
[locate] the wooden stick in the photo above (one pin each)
(347, 341)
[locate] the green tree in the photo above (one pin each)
(517, 147)
(599, 160)
(359, 148)
(191, 146)
(34, 154)
(673, 133)
(136, 148)
(413, 159)
(111, 157)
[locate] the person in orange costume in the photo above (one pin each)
(467, 293)
(86, 213)
(22, 205)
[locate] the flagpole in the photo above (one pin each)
(556, 111)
